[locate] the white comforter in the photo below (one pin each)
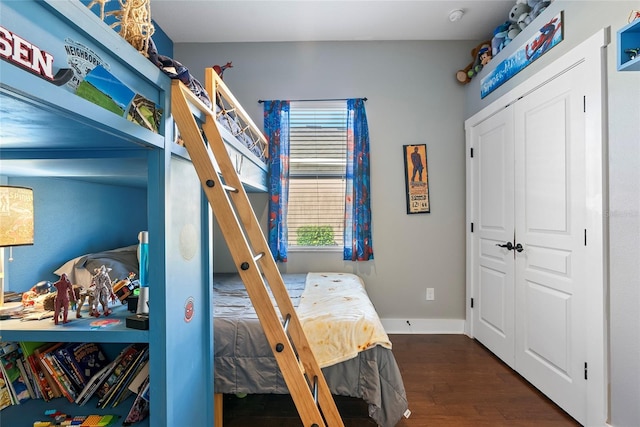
(338, 318)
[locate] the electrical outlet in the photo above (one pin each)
(430, 294)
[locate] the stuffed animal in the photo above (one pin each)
(504, 33)
(483, 58)
(498, 42)
(536, 7)
(520, 8)
(481, 55)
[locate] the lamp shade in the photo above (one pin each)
(16, 216)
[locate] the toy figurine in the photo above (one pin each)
(64, 294)
(633, 52)
(102, 291)
(219, 69)
(81, 295)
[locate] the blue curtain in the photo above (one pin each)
(276, 128)
(358, 245)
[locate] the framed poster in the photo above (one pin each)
(416, 178)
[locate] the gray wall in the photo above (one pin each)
(582, 19)
(413, 98)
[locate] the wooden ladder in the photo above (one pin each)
(252, 256)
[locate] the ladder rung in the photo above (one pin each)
(285, 325)
(258, 256)
(210, 183)
(230, 188)
(315, 388)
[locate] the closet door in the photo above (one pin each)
(493, 226)
(550, 206)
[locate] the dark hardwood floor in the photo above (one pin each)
(451, 381)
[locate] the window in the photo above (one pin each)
(317, 164)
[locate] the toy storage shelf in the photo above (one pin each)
(629, 38)
(77, 330)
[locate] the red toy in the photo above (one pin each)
(219, 69)
(64, 294)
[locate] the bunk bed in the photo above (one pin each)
(74, 138)
(355, 356)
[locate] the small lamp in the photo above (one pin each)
(16, 222)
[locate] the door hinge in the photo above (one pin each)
(585, 370)
(472, 227)
(585, 237)
(471, 302)
(471, 152)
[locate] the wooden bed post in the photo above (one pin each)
(251, 254)
(217, 409)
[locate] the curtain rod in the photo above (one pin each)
(260, 101)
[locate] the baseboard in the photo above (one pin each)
(423, 326)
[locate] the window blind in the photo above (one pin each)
(317, 161)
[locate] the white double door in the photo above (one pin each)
(528, 243)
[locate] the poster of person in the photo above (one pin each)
(416, 178)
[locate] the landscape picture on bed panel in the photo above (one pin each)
(106, 90)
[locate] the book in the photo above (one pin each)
(135, 386)
(13, 376)
(5, 393)
(126, 358)
(140, 408)
(41, 380)
(38, 355)
(64, 382)
(121, 391)
(65, 363)
(86, 358)
(40, 385)
(94, 383)
(26, 374)
(7, 347)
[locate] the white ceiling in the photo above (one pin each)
(193, 21)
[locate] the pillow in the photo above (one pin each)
(121, 261)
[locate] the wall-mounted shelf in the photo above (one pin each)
(629, 38)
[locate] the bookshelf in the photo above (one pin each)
(629, 38)
(47, 132)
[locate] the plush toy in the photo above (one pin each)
(520, 8)
(504, 33)
(498, 42)
(481, 55)
(536, 7)
(482, 59)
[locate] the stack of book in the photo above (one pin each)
(76, 371)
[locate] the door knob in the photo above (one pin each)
(507, 245)
(519, 247)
